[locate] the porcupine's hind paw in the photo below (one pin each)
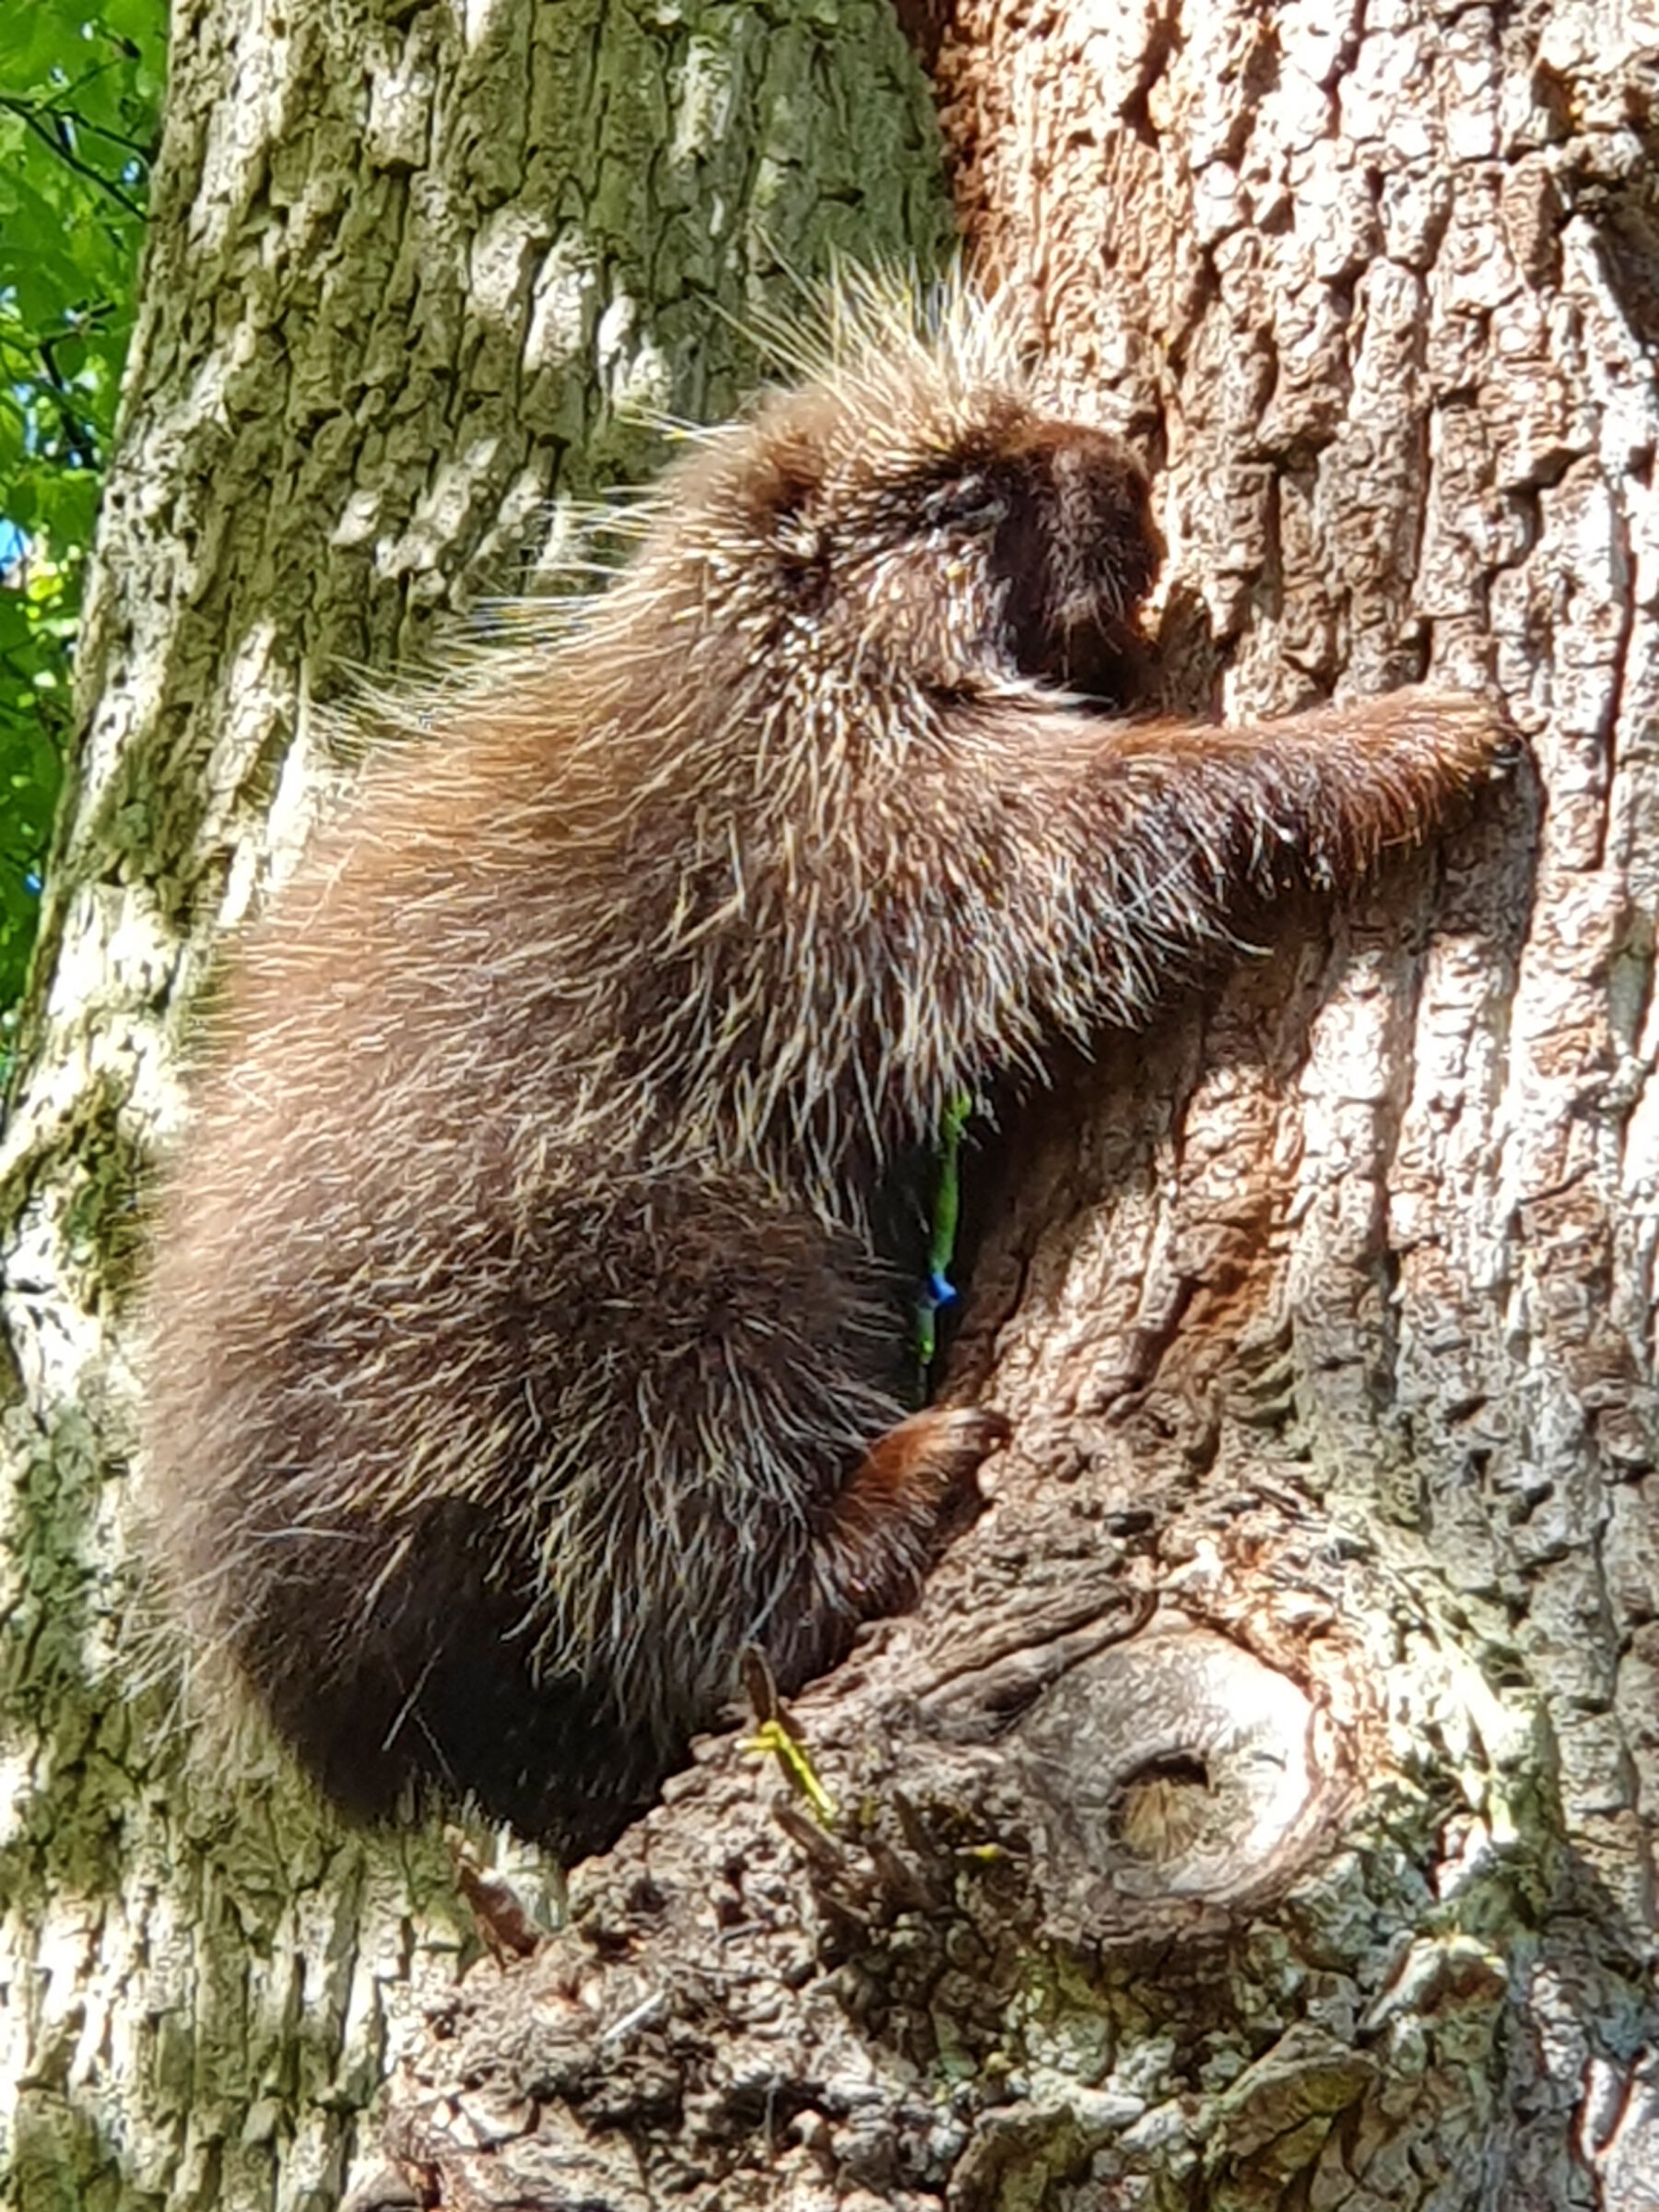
(879, 1525)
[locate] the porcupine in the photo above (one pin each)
(523, 1350)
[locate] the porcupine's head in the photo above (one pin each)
(910, 510)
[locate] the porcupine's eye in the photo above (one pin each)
(971, 502)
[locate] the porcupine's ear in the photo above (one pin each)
(787, 512)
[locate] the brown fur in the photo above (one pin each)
(523, 1346)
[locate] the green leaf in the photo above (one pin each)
(79, 112)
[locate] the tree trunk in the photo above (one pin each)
(407, 275)
(1258, 1808)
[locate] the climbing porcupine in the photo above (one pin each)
(523, 1346)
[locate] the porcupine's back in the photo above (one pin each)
(515, 1318)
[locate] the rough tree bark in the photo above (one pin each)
(1258, 1809)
